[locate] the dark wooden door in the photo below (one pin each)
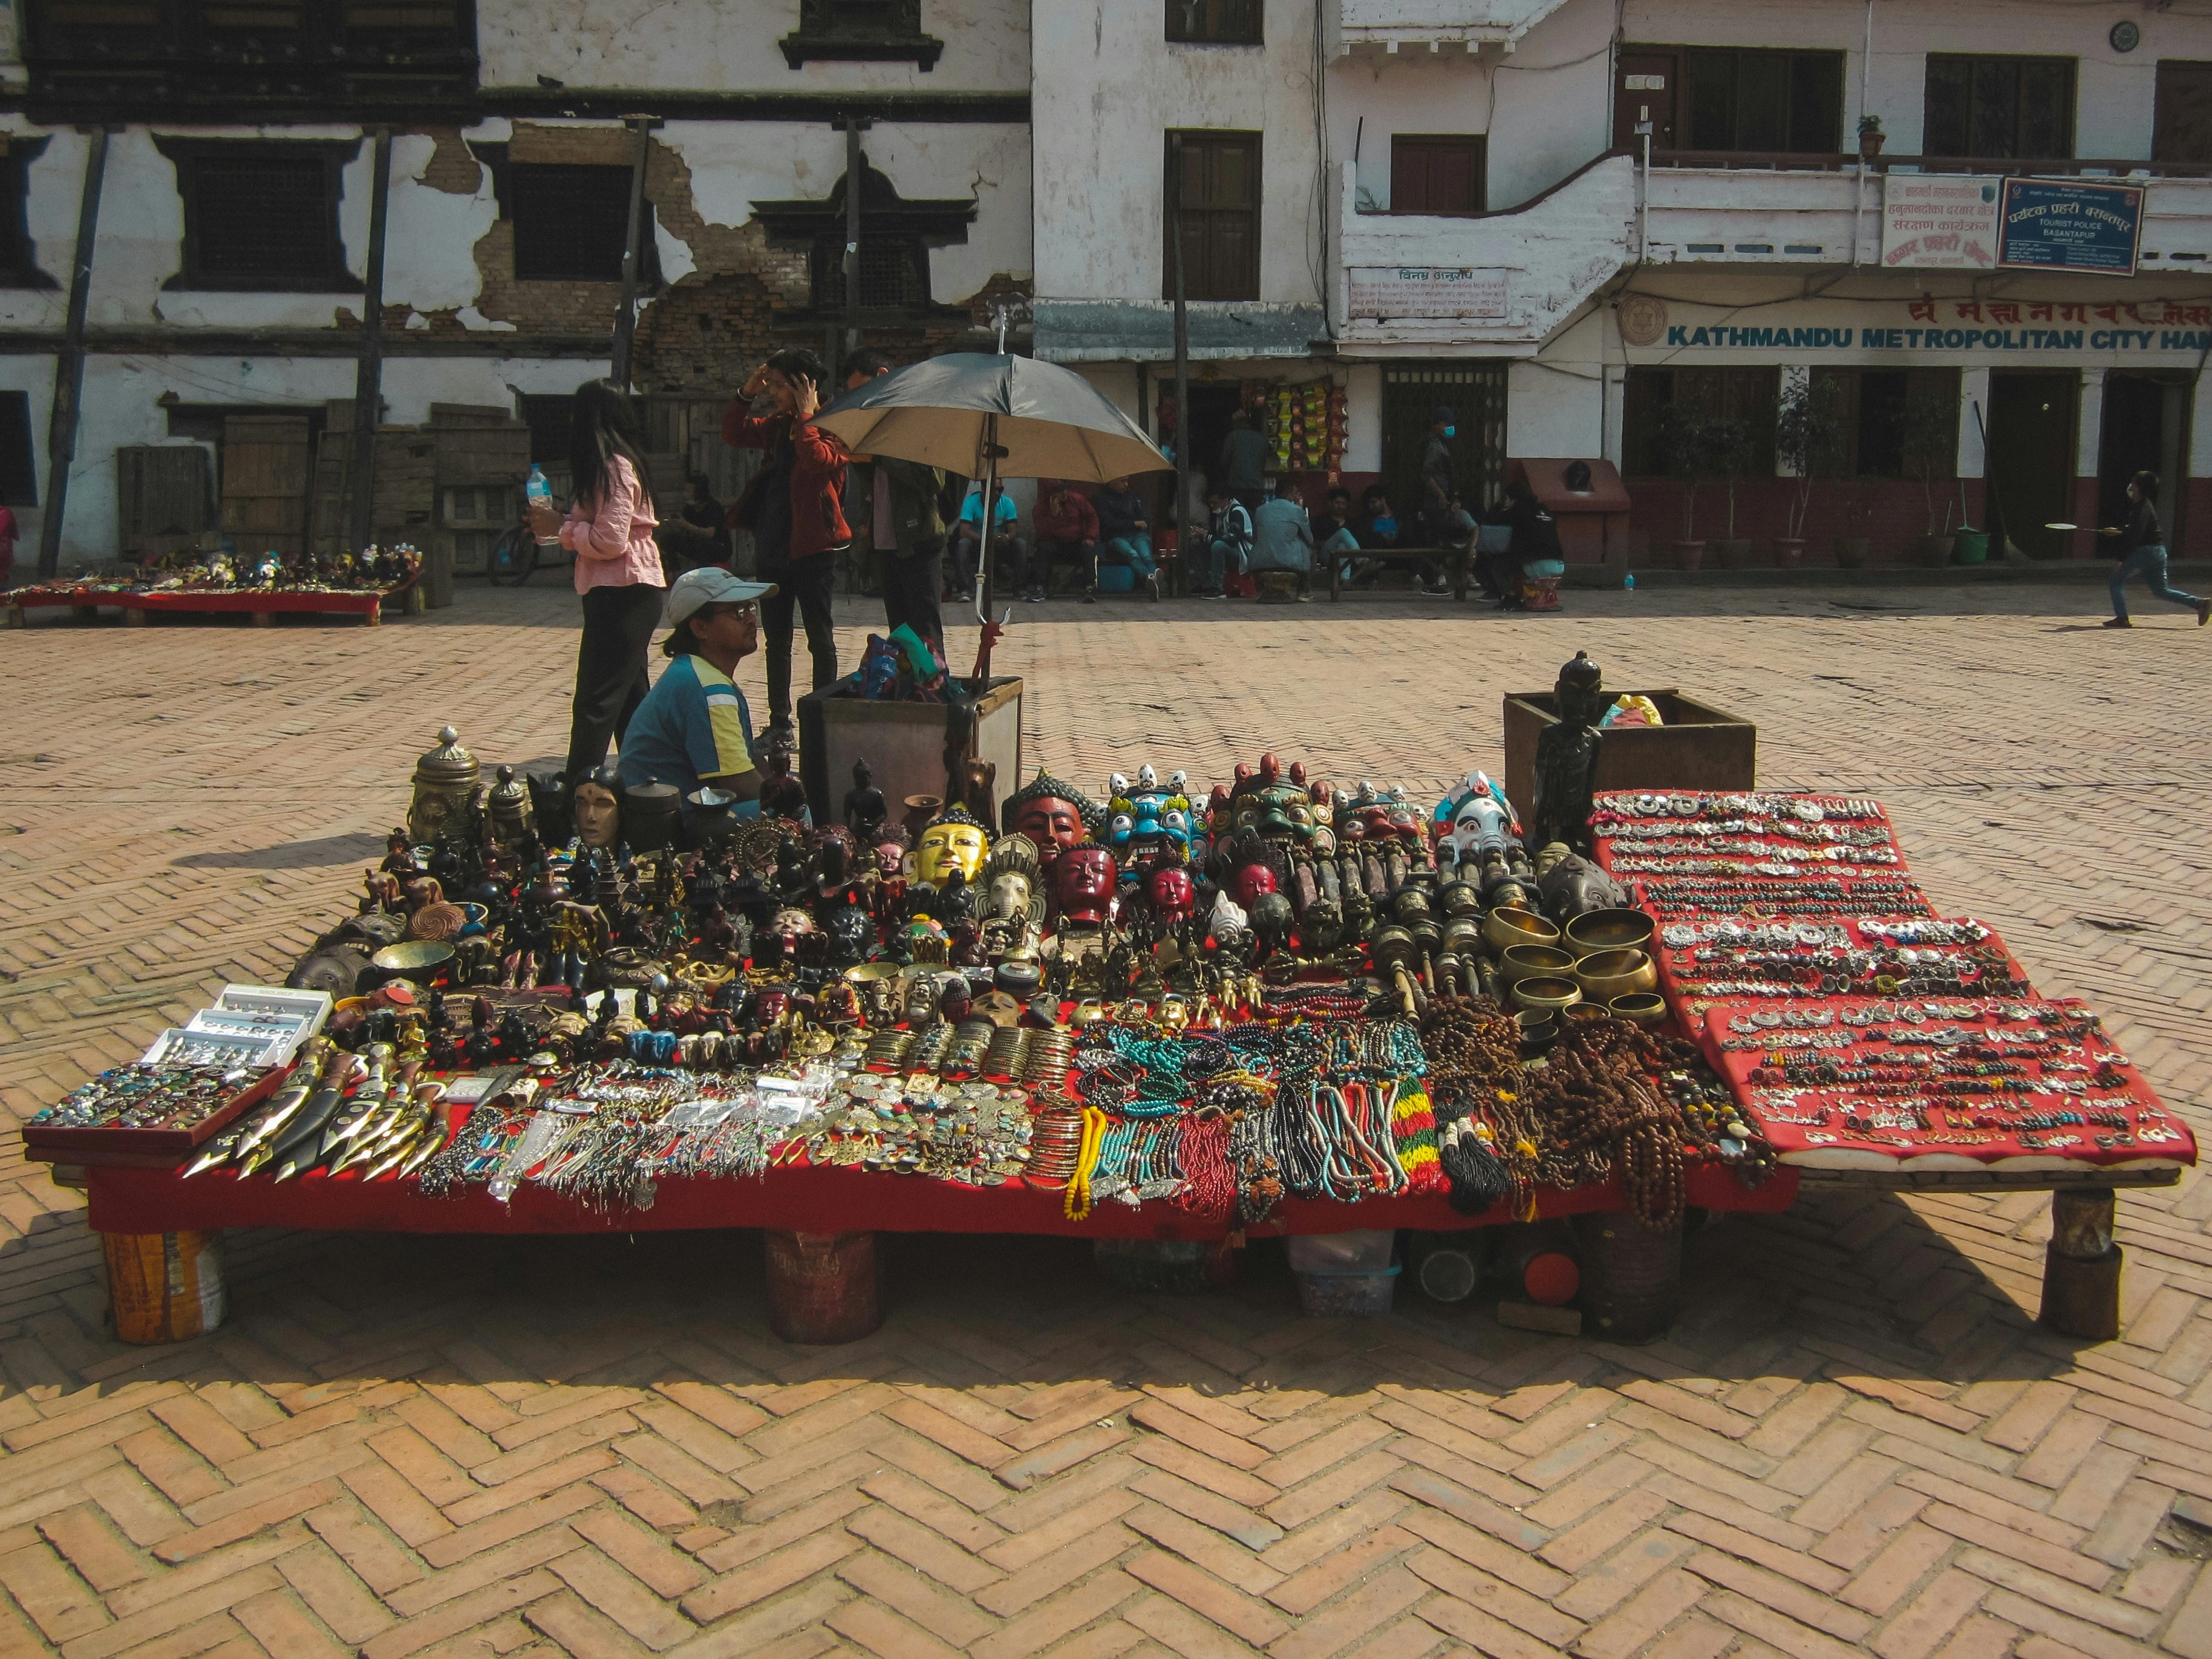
(1435, 172)
(1221, 187)
(1475, 393)
(1645, 88)
(2031, 461)
(2182, 130)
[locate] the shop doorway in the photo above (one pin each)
(1211, 404)
(1475, 393)
(2031, 461)
(2145, 426)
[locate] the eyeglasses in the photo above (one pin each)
(745, 609)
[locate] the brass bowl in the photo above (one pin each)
(1610, 930)
(1533, 961)
(1605, 975)
(1546, 992)
(1506, 926)
(1539, 1027)
(1640, 1008)
(424, 960)
(1585, 1011)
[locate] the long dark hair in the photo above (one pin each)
(601, 426)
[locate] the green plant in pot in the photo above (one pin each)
(1732, 450)
(1926, 430)
(1686, 448)
(1808, 441)
(1870, 136)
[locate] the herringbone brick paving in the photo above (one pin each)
(1856, 1439)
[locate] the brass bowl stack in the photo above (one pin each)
(1507, 926)
(1546, 991)
(1605, 975)
(1610, 930)
(1640, 1007)
(1532, 961)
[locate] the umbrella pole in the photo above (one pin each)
(983, 571)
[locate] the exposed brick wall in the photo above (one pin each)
(450, 167)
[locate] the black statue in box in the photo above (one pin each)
(1566, 759)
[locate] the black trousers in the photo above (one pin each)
(802, 585)
(910, 587)
(611, 677)
(1084, 556)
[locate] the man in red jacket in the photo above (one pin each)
(794, 509)
(1067, 533)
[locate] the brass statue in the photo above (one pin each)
(1566, 759)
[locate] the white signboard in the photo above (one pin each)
(1933, 221)
(1387, 292)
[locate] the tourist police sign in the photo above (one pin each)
(2053, 224)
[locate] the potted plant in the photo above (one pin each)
(1729, 445)
(1808, 439)
(1853, 514)
(1685, 442)
(1870, 136)
(1927, 428)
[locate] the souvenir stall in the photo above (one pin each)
(1165, 1019)
(345, 585)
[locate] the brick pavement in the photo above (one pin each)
(1855, 1440)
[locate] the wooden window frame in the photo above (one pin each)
(1178, 33)
(23, 492)
(189, 154)
(2163, 122)
(517, 181)
(829, 33)
(1476, 144)
(1759, 384)
(1685, 90)
(21, 270)
(1217, 136)
(2066, 146)
(1686, 113)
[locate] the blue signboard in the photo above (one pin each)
(2057, 224)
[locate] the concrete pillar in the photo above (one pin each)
(1973, 391)
(2089, 432)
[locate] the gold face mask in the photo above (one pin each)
(945, 847)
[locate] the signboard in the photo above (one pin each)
(1387, 292)
(2054, 224)
(1970, 331)
(1936, 221)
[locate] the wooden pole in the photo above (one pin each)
(368, 375)
(68, 368)
(1188, 537)
(633, 246)
(855, 165)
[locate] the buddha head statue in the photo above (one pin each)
(954, 841)
(1052, 814)
(596, 805)
(1084, 879)
(1174, 895)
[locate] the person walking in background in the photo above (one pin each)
(2142, 553)
(798, 519)
(1066, 526)
(1229, 545)
(1243, 466)
(1009, 552)
(904, 529)
(609, 527)
(1283, 538)
(698, 535)
(1125, 533)
(1436, 461)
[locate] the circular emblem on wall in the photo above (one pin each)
(2126, 36)
(1642, 318)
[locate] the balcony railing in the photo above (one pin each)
(1744, 161)
(1390, 27)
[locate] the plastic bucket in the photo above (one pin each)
(1116, 579)
(164, 1287)
(1972, 546)
(822, 1286)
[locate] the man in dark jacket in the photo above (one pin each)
(1066, 528)
(1243, 468)
(799, 520)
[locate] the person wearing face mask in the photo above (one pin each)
(796, 512)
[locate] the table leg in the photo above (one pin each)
(373, 616)
(15, 616)
(822, 1286)
(1631, 1276)
(2082, 1265)
(133, 618)
(164, 1287)
(263, 619)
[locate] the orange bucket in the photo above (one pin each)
(164, 1287)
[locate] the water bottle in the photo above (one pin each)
(1629, 583)
(538, 490)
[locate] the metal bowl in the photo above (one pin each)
(424, 960)
(1546, 992)
(1533, 961)
(1506, 926)
(1640, 1007)
(1610, 930)
(1605, 975)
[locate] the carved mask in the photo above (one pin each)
(1010, 895)
(598, 815)
(946, 848)
(1051, 823)
(1083, 881)
(1173, 895)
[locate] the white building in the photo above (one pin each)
(234, 207)
(1452, 201)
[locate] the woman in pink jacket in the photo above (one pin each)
(609, 529)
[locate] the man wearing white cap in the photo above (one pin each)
(694, 729)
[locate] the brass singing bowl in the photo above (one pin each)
(1506, 926)
(1640, 1007)
(1585, 1011)
(1605, 975)
(1548, 992)
(867, 973)
(1534, 962)
(1610, 930)
(423, 961)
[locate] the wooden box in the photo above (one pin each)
(1699, 747)
(903, 744)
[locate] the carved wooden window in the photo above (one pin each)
(261, 217)
(1214, 22)
(1220, 185)
(1999, 108)
(863, 31)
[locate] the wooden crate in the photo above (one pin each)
(160, 491)
(1699, 747)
